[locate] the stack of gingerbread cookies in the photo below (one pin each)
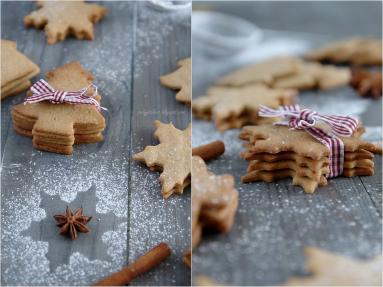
(215, 200)
(16, 70)
(56, 127)
(276, 152)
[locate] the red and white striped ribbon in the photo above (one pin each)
(306, 119)
(42, 91)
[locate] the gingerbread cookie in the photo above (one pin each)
(303, 171)
(214, 198)
(16, 70)
(289, 73)
(62, 18)
(356, 51)
(180, 80)
(172, 157)
(56, 127)
(366, 83)
(276, 152)
(263, 72)
(234, 107)
(329, 269)
(314, 75)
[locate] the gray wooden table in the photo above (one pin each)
(275, 221)
(133, 46)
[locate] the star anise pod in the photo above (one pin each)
(71, 223)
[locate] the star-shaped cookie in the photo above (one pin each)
(288, 73)
(180, 80)
(233, 107)
(60, 18)
(357, 51)
(314, 75)
(172, 156)
(275, 139)
(330, 269)
(263, 72)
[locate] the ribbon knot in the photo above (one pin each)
(42, 91)
(58, 97)
(306, 119)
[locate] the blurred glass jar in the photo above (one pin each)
(168, 5)
(221, 34)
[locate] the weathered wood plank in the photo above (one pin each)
(152, 218)
(14, 32)
(35, 185)
(373, 185)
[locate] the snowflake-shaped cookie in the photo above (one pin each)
(180, 80)
(172, 156)
(60, 18)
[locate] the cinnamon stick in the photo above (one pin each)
(138, 267)
(210, 151)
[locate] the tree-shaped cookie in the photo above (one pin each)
(61, 18)
(172, 156)
(233, 107)
(330, 269)
(56, 127)
(180, 80)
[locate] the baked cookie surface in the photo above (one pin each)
(62, 18)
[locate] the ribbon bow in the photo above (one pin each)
(42, 91)
(306, 119)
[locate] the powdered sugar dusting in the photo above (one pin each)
(57, 179)
(154, 220)
(30, 176)
(150, 39)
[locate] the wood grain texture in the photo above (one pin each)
(153, 219)
(35, 185)
(275, 221)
